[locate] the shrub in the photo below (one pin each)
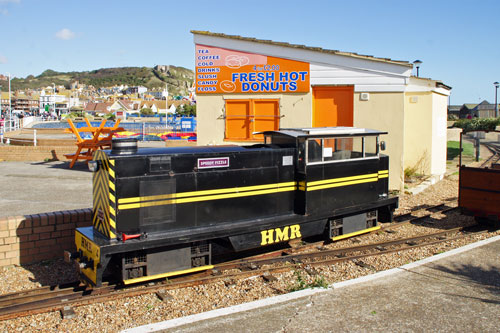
(477, 124)
(147, 112)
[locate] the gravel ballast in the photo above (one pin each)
(116, 315)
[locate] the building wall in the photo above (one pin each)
(295, 110)
(418, 143)
(425, 127)
(384, 111)
(439, 131)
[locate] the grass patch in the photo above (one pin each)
(453, 149)
(301, 282)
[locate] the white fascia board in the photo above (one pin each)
(322, 70)
(302, 55)
(379, 88)
(442, 91)
(427, 88)
(356, 81)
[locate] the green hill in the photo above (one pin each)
(178, 79)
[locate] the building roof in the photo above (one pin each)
(304, 47)
(98, 107)
(149, 104)
(470, 106)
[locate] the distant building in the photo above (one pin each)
(454, 110)
(485, 110)
(21, 102)
(135, 90)
(467, 110)
(98, 108)
(47, 101)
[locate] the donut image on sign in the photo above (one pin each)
(227, 86)
(236, 61)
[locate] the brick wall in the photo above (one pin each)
(38, 153)
(32, 238)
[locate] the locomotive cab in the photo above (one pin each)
(328, 159)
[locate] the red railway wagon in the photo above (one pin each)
(479, 186)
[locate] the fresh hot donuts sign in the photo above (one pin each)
(222, 71)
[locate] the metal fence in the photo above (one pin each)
(171, 128)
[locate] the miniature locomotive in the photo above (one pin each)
(159, 212)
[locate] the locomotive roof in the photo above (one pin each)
(190, 150)
(325, 132)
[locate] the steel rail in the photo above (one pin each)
(52, 298)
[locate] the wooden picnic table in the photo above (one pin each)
(101, 139)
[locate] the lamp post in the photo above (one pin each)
(417, 64)
(496, 103)
(54, 97)
(10, 106)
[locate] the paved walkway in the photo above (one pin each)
(457, 291)
(42, 187)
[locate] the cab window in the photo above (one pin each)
(340, 149)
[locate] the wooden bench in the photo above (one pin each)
(101, 139)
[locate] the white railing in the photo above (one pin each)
(10, 125)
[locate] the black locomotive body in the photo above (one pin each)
(160, 212)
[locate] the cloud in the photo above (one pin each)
(3, 60)
(65, 34)
(5, 3)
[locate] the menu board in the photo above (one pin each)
(223, 71)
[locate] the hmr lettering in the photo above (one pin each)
(278, 235)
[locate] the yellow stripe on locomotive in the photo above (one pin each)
(103, 213)
(89, 256)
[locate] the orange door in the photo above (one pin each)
(243, 117)
(266, 116)
(238, 120)
(333, 106)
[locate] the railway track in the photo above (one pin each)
(494, 158)
(65, 297)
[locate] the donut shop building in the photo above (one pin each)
(246, 85)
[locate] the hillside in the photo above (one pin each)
(178, 79)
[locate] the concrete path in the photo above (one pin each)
(41, 187)
(457, 291)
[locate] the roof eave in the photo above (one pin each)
(304, 47)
